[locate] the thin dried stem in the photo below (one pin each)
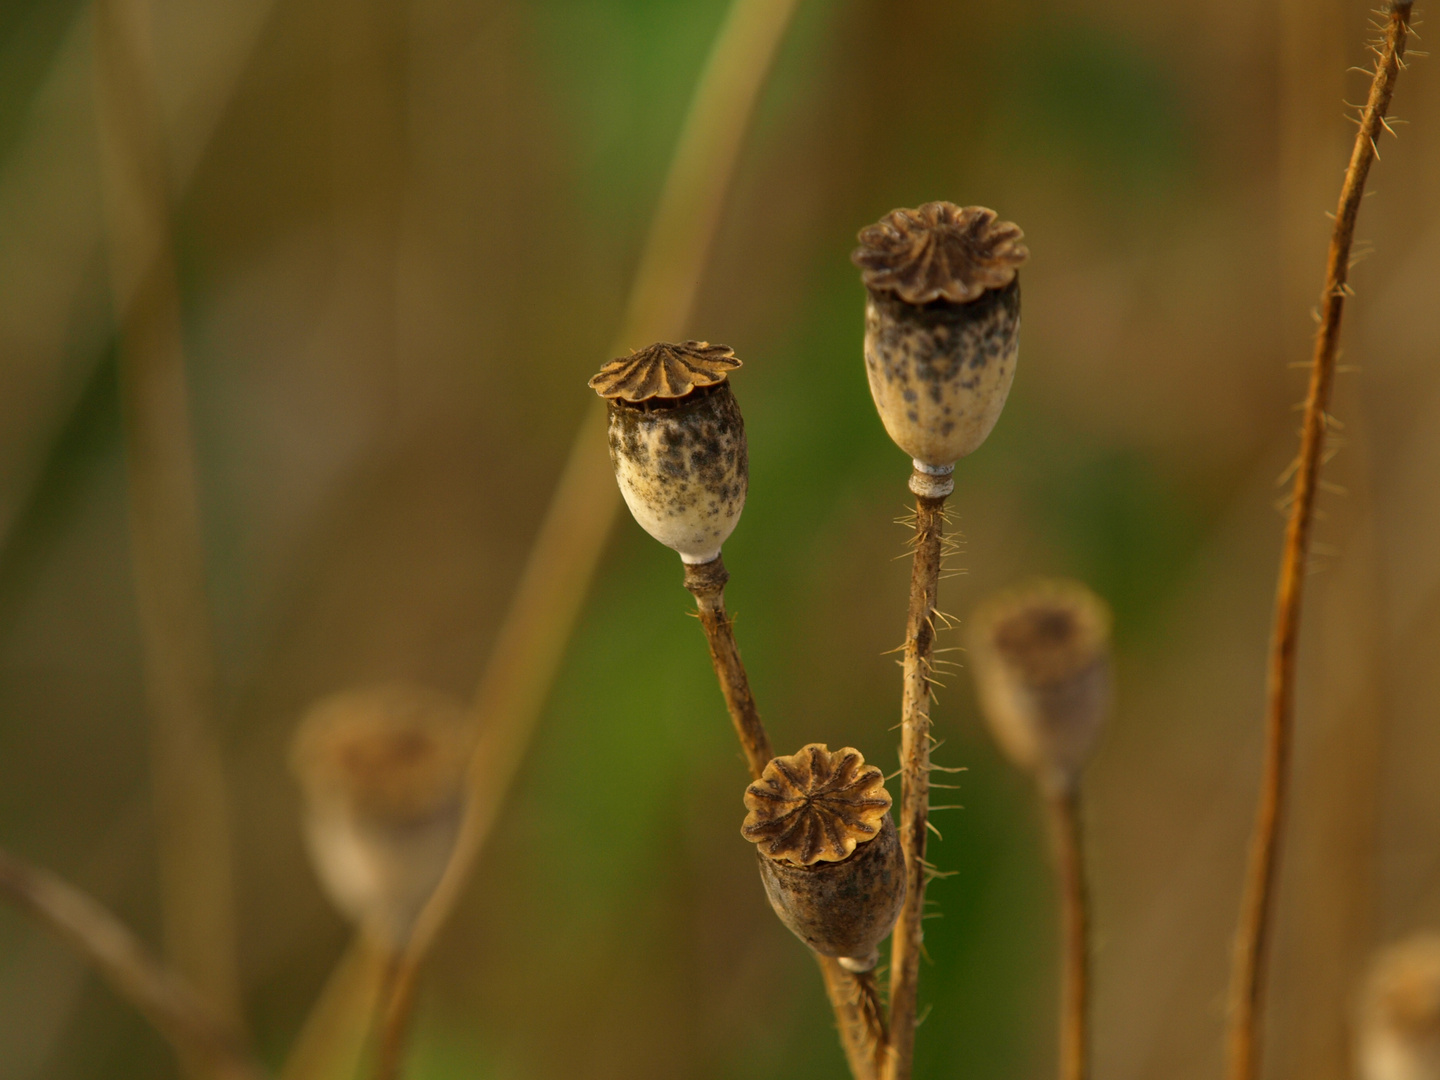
(1066, 838)
(859, 1015)
(200, 1036)
(563, 557)
(332, 1042)
(914, 780)
(1257, 906)
(167, 549)
(706, 582)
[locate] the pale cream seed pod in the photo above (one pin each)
(383, 772)
(942, 329)
(1041, 661)
(830, 857)
(1398, 1034)
(677, 442)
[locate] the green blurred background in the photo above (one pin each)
(406, 232)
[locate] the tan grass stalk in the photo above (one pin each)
(563, 557)
(1257, 906)
(201, 1037)
(1067, 839)
(166, 543)
(915, 742)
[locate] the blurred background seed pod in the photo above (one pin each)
(829, 855)
(382, 770)
(677, 441)
(942, 324)
(1041, 660)
(1398, 1034)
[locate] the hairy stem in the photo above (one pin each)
(859, 1015)
(706, 582)
(915, 780)
(1257, 906)
(167, 550)
(200, 1036)
(566, 550)
(1066, 837)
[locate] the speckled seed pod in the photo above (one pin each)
(942, 326)
(1041, 658)
(678, 443)
(382, 770)
(829, 854)
(1398, 1035)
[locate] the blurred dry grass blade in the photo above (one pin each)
(1257, 905)
(200, 1037)
(166, 543)
(562, 560)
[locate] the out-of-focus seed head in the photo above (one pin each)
(942, 325)
(1398, 1034)
(677, 441)
(830, 858)
(382, 770)
(1041, 658)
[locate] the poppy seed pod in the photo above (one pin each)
(678, 443)
(1399, 1029)
(1041, 657)
(382, 771)
(942, 327)
(830, 858)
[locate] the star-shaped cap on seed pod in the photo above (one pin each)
(815, 806)
(939, 251)
(665, 370)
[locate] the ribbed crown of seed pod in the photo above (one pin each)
(677, 442)
(942, 325)
(382, 770)
(1399, 1021)
(830, 858)
(1041, 658)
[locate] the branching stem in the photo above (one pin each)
(200, 1037)
(915, 780)
(1257, 906)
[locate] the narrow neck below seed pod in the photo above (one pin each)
(1399, 1028)
(1041, 658)
(942, 329)
(382, 771)
(678, 443)
(830, 858)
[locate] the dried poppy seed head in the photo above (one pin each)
(942, 328)
(1041, 656)
(830, 858)
(1399, 1029)
(677, 441)
(382, 770)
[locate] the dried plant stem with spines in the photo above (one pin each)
(706, 582)
(915, 742)
(1257, 906)
(1067, 839)
(188, 781)
(202, 1039)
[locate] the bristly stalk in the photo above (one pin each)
(706, 582)
(915, 780)
(1257, 906)
(1067, 838)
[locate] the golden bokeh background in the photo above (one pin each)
(405, 231)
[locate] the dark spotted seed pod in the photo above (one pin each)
(830, 858)
(678, 443)
(942, 327)
(1398, 1035)
(1041, 658)
(382, 770)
